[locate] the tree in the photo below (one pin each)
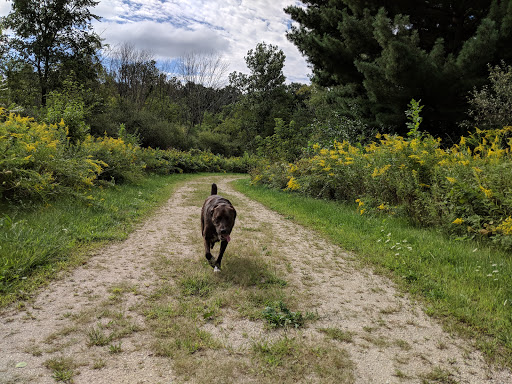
(491, 106)
(52, 35)
(134, 72)
(263, 88)
(202, 75)
(383, 53)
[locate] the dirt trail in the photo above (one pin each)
(393, 341)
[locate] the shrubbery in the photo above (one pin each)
(39, 161)
(465, 189)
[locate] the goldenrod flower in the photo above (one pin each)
(505, 227)
(458, 221)
(487, 192)
(380, 172)
(292, 184)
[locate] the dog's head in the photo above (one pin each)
(223, 218)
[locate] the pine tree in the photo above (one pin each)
(383, 53)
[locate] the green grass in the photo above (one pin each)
(466, 284)
(39, 240)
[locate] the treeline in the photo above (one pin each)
(368, 60)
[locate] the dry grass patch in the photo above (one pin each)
(291, 360)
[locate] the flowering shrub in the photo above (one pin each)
(466, 189)
(40, 161)
(37, 160)
(122, 161)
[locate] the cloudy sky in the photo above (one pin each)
(170, 28)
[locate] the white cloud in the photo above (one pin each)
(169, 28)
(163, 40)
(228, 27)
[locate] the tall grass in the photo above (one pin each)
(465, 283)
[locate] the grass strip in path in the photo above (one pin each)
(466, 284)
(38, 241)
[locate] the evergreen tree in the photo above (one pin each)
(383, 53)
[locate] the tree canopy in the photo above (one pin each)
(54, 35)
(383, 53)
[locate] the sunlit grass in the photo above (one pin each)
(39, 240)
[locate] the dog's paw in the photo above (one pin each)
(216, 269)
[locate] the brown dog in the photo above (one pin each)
(217, 220)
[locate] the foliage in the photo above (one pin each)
(491, 106)
(465, 189)
(278, 315)
(40, 162)
(383, 54)
(69, 107)
(263, 89)
(51, 33)
(285, 144)
(5, 99)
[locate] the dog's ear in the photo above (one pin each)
(212, 209)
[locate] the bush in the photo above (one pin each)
(69, 107)
(465, 189)
(41, 161)
(38, 160)
(491, 106)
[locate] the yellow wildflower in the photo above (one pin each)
(380, 172)
(487, 192)
(505, 227)
(292, 184)
(452, 180)
(458, 221)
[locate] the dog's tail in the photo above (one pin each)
(214, 189)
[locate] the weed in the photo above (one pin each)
(63, 368)
(115, 348)
(99, 364)
(438, 376)
(278, 315)
(338, 334)
(97, 337)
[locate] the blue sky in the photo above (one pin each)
(171, 28)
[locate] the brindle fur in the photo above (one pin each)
(217, 219)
